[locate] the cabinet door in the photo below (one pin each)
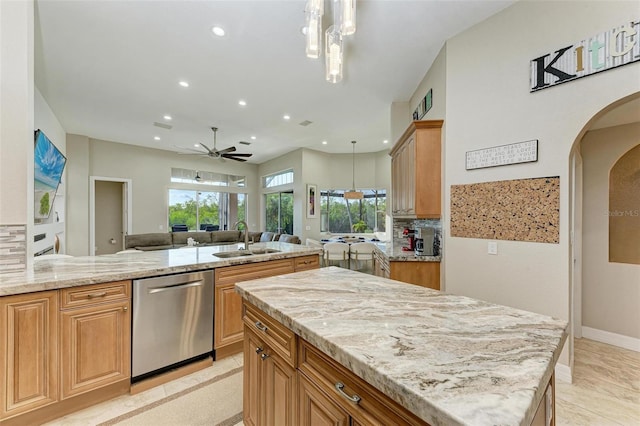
(95, 347)
(409, 189)
(228, 325)
(227, 332)
(252, 379)
(315, 408)
(278, 390)
(28, 352)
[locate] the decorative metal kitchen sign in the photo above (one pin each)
(521, 152)
(610, 49)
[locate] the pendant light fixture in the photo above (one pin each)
(313, 25)
(344, 23)
(353, 194)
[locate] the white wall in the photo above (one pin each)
(489, 104)
(610, 291)
(150, 172)
(45, 120)
(16, 116)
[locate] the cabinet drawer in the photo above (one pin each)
(94, 294)
(307, 262)
(372, 407)
(252, 271)
(278, 337)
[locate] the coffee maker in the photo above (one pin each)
(410, 235)
(424, 243)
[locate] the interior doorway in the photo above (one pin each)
(110, 216)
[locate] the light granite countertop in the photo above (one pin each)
(394, 253)
(450, 360)
(74, 271)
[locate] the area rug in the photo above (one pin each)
(216, 402)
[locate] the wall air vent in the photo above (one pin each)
(162, 125)
(244, 143)
(305, 123)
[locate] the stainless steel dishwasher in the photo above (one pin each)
(172, 321)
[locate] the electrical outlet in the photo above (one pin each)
(160, 227)
(492, 247)
(308, 228)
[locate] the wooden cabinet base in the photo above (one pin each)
(70, 405)
(425, 274)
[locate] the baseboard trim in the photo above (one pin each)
(620, 340)
(563, 373)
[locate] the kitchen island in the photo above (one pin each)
(444, 359)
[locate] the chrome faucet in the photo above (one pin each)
(246, 233)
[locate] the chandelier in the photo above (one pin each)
(344, 24)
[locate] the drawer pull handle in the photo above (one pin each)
(258, 350)
(355, 398)
(96, 295)
(261, 326)
(264, 356)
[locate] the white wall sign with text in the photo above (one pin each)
(610, 49)
(521, 152)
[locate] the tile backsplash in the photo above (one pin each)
(13, 248)
(400, 224)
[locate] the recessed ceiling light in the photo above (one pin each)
(242, 102)
(385, 141)
(219, 31)
(253, 137)
(156, 138)
(286, 117)
(196, 145)
(324, 142)
(167, 117)
(184, 84)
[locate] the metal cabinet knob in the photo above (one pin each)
(258, 350)
(125, 308)
(264, 356)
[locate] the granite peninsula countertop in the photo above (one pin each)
(82, 270)
(394, 253)
(448, 359)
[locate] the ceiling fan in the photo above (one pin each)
(223, 153)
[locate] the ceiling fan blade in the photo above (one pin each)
(226, 150)
(234, 158)
(207, 148)
(237, 155)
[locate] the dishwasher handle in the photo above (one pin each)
(175, 287)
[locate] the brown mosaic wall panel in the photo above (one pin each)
(515, 210)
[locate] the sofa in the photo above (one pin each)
(170, 240)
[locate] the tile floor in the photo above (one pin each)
(606, 390)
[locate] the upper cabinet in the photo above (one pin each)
(416, 171)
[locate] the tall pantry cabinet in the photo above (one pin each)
(416, 171)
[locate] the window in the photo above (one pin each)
(201, 177)
(277, 179)
(196, 209)
(279, 212)
(339, 215)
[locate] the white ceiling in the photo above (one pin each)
(110, 69)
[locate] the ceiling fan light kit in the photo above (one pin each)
(344, 23)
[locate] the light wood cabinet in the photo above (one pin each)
(95, 324)
(228, 329)
(416, 171)
(270, 379)
(316, 408)
(425, 274)
(28, 352)
(342, 389)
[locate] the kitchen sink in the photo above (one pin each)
(241, 253)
